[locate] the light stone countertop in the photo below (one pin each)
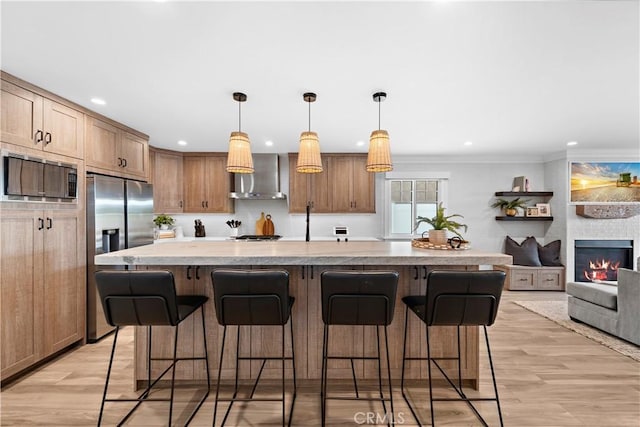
(296, 253)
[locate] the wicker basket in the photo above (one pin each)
(424, 243)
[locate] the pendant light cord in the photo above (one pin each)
(239, 116)
(379, 106)
(309, 102)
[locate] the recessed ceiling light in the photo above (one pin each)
(572, 143)
(98, 101)
(360, 143)
(468, 143)
(182, 142)
(268, 143)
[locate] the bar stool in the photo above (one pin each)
(253, 298)
(148, 298)
(357, 298)
(455, 298)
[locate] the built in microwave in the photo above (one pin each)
(32, 179)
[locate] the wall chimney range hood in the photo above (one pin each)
(263, 183)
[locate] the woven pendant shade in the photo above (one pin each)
(379, 158)
(239, 159)
(309, 160)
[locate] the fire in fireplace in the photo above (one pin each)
(599, 260)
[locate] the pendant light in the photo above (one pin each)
(309, 160)
(239, 159)
(379, 158)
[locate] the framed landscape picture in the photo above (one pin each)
(604, 182)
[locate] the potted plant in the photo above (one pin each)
(163, 221)
(510, 207)
(442, 223)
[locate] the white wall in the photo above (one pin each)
(472, 184)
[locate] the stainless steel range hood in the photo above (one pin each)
(263, 183)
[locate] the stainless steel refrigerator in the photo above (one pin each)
(119, 216)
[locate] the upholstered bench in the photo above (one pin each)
(613, 309)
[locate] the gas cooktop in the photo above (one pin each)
(258, 237)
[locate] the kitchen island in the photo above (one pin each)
(192, 263)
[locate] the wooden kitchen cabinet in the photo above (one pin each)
(352, 187)
(37, 122)
(42, 285)
(166, 176)
(308, 188)
(206, 183)
(114, 151)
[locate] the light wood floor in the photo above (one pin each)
(547, 376)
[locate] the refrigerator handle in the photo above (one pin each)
(189, 273)
(198, 273)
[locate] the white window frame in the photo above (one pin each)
(443, 193)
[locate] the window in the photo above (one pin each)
(409, 197)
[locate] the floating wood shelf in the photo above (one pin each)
(524, 218)
(524, 193)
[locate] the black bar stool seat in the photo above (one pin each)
(358, 298)
(148, 298)
(455, 298)
(253, 298)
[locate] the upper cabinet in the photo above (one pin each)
(343, 187)
(33, 121)
(308, 188)
(352, 187)
(115, 151)
(207, 183)
(166, 177)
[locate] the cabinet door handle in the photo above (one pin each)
(424, 268)
(40, 224)
(180, 203)
(302, 270)
(312, 271)
(189, 273)
(38, 136)
(523, 280)
(202, 204)
(49, 223)
(206, 204)
(416, 276)
(198, 273)
(47, 138)
(119, 161)
(124, 162)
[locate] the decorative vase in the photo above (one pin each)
(511, 212)
(438, 237)
(164, 226)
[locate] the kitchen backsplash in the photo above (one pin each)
(286, 224)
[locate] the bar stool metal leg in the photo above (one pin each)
(106, 383)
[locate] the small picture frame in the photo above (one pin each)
(520, 184)
(544, 209)
(532, 211)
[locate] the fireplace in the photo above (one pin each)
(599, 260)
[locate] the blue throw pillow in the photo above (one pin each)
(525, 253)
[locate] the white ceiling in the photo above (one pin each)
(513, 77)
